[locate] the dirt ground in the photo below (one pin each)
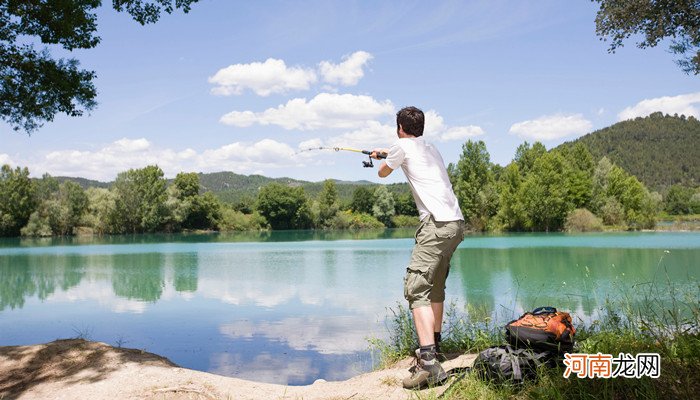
(80, 369)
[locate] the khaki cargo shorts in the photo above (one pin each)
(424, 282)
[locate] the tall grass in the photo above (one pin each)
(653, 317)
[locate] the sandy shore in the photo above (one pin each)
(79, 369)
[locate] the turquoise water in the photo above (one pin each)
(293, 307)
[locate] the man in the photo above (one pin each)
(440, 231)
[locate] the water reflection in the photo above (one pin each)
(24, 276)
(293, 307)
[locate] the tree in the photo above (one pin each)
(655, 20)
(140, 200)
(284, 207)
(205, 212)
(66, 209)
(383, 208)
(526, 155)
(473, 183)
(544, 194)
(579, 174)
(511, 213)
(35, 86)
(406, 204)
(187, 184)
(678, 200)
(362, 200)
(328, 203)
(617, 195)
(101, 210)
(18, 196)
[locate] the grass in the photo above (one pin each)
(669, 327)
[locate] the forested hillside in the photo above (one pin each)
(234, 188)
(659, 150)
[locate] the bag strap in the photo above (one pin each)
(512, 357)
(544, 310)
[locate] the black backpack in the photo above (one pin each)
(508, 364)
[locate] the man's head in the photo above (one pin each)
(411, 120)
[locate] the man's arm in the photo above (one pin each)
(384, 169)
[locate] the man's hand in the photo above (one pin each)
(377, 152)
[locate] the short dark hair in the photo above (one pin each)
(411, 120)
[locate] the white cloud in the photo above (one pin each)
(347, 73)
(326, 110)
(105, 163)
(686, 104)
(5, 159)
(551, 127)
(377, 135)
(436, 129)
(272, 76)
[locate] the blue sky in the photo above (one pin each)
(243, 86)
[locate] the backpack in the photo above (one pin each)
(507, 364)
(543, 329)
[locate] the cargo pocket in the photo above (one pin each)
(446, 230)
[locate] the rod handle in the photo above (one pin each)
(380, 156)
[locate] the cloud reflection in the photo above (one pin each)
(343, 334)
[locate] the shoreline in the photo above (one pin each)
(77, 369)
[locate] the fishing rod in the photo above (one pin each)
(366, 164)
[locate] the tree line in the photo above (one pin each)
(561, 189)
(142, 201)
(540, 190)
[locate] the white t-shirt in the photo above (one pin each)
(427, 176)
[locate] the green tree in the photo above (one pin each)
(405, 204)
(579, 174)
(511, 213)
(35, 86)
(65, 210)
(362, 200)
(544, 195)
(205, 212)
(284, 207)
(328, 205)
(383, 207)
(526, 155)
(653, 21)
(616, 191)
(18, 196)
(140, 200)
(101, 210)
(678, 200)
(187, 184)
(473, 183)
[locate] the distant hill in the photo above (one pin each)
(83, 182)
(231, 187)
(659, 150)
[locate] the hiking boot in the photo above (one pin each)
(427, 372)
(439, 354)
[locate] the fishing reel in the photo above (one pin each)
(370, 164)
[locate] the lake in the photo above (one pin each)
(293, 307)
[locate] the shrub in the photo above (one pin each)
(405, 221)
(582, 220)
(352, 220)
(232, 220)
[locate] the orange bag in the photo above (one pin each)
(544, 328)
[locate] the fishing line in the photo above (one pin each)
(366, 164)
